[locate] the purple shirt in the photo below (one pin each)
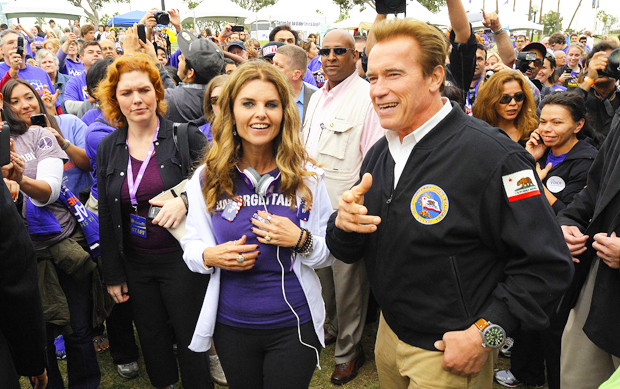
(73, 68)
(158, 239)
(206, 129)
(76, 88)
(35, 76)
(555, 159)
(253, 298)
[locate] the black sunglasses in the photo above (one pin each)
(337, 51)
(506, 99)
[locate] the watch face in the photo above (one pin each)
(494, 336)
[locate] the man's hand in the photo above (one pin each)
(227, 31)
(598, 62)
(15, 60)
(463, 352)
(352, 215)
(40, 381)
(131, 44)
(608, 249)
(575, 240)
(491, 20)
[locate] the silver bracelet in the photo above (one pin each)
(67, 144)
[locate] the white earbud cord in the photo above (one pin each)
(318, 364)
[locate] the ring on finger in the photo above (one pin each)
(267, 237)
(235, 242)
(269, 217)
(240, 258)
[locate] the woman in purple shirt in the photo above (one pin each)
(257, 222)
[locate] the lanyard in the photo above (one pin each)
(133, 188)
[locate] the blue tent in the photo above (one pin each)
(126, 20)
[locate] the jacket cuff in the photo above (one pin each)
(558, 206)
(499, 313)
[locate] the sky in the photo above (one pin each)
(585, 18)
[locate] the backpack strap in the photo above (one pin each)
(181, 141)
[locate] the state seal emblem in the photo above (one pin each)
(429, 204)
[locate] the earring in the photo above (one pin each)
(234, 129)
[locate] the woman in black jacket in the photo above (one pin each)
(563, 162)
(140, 258)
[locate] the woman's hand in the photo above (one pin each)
(535, 146)
(59, 138)
(19, 165)
(542, 173)
(119, 292)
(227, 255)
(172, 212)
(281, 230)
(13, 188)
(565, 77)
(608, 249)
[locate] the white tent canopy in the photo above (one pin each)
(300, 15)
(24, 9)
(218, 11)
(364, 19)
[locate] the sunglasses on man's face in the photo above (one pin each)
(506, 99)
(337, 50)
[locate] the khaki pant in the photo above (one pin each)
(345, 290)
(402, 366)
(92, 204)
(582, 364)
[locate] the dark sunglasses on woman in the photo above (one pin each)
(506, 99)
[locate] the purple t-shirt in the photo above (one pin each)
(76, 88)
(73, 68)
(206, 129)
(253, 298)
(158, 239)
(35, 76)
(555, 159)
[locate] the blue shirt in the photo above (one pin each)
(300, 102)
(74, 130)
(555, 159)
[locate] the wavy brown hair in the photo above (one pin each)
(290, 154)
(106, 91)
(485, 107)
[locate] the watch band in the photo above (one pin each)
(498, 31)
(482, 324)
(67, 144)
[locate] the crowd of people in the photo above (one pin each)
(244, 205)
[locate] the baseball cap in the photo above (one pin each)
(270, 49)
(236, 44)
(536, 46)
(205, 56)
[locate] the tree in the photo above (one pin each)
(551, 22)
(105, 18)
(92, 7)
(255, 5)
(607, 19)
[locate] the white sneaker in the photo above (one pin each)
(129, 370)
(217, 373)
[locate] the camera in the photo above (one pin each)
(613, 65)
(488, 74)
(524, 59)
(20, 45)
(162, 17)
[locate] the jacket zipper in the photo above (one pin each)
(458, 285)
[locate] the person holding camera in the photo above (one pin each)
(598, 87)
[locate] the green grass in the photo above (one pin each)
(367, 378)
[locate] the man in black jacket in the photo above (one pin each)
(22, 332)
(459, 245)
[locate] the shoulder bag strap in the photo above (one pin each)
(181, 141)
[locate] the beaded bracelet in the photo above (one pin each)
(301, 235)
(308, 245)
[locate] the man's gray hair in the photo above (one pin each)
(297, 57)
(42, 53)
(6, 32)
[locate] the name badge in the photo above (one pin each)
(137, 225)
(231, 210)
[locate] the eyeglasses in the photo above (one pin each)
(506, 99)
(214, 100)
(337, 50)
